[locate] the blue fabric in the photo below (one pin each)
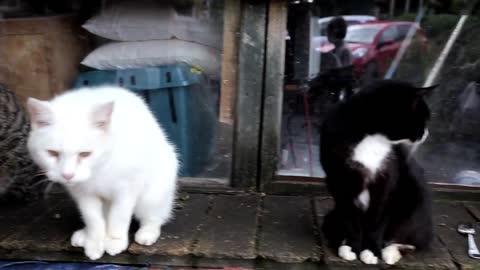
(37, 265)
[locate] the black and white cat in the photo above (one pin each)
(382, 202)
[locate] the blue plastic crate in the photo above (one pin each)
(180, 100)
(96, 78)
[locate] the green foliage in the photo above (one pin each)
(433, 25)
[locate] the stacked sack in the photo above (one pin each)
(151, 33)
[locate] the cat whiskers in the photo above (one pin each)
(40, 173)
(44, 180)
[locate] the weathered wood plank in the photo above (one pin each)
(51, 231)
(437, 258)
(220, 228)
(231, 25)
(447, 216)
(287, 230)
(15, 218)
(474, 210)
(230, 229)
(273, 98)
(179, 234)
(449, 193)
(282, 186)
(249, 98)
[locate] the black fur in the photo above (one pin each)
(400, 207)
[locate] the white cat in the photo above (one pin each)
(105, 146)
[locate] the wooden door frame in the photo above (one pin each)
(244, 75)
(273, 93)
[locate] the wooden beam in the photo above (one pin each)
(249, 96)
(288, 230)
(231, 23)
(273, 98)
(230, 228)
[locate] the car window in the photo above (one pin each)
(362, 33)
(402, 31)
(390, 33)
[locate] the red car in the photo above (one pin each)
(375, 44)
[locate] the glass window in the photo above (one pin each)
(403, 30)
(189, 84)
(428, 43)
(389, 34)
(362, 33)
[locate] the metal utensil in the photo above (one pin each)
(469, 230)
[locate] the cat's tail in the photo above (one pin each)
(333, 229)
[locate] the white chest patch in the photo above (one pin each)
(363, 200)
(372, 151)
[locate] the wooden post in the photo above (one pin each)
(273, 98)
(231, 23)
(249, 98)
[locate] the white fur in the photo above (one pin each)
(418, 143)
(391, 253)
(368, 257)
(131, 171)
(345, 252)
(363, 200)
(372, 151)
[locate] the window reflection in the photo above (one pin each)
(422, 42)
(169, 52)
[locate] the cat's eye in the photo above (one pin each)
(53, 153)
(84, 154)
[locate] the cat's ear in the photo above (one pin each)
(102, 114)
(423, 91)
(40, 113)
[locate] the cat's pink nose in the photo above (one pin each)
(67, 176)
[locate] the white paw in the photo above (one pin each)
(391, 254)
(368, 257)
(94, 248)
(147, 236)
(345, 252)
(114, 246)
(78, 238)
